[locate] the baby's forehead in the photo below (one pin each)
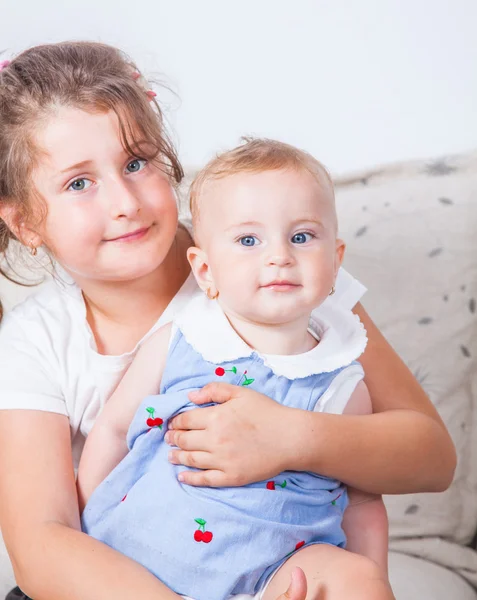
(317, 182)
(292, 194)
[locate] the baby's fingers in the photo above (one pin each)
(297, 588)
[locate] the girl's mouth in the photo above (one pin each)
(132, 236)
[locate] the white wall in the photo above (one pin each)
(353, 81)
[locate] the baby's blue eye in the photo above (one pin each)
(249, 240)
(78, 185)
(301, 238)
(136, 165)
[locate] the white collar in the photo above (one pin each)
(342, 339)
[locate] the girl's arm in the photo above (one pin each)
(106, 446)
(249, 437)
(365, 521)
(39, 519)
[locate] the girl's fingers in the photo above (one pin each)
(188, 440)
(197, 460)
(215, 392)
(212, 478)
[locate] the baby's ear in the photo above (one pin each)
(340, 250)
(200, 267)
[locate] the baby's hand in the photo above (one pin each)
(246, 438)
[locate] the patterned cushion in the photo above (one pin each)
(411, 238)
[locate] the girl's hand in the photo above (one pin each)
(246, 438)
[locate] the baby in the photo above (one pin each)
(267, 256)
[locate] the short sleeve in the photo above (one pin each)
(348, 290)
(336, 397)
(28, 377)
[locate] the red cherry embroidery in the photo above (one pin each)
(297, 547)
(220, 371)
(151, 421)
(154, 422)
(245, 380)
(207, 536)
(200, 534)
(333, 502)
(272, 486)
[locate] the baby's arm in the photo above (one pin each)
(365, 521)
(106, 445)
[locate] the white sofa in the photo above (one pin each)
(411, 236)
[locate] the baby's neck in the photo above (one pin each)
(283, 339)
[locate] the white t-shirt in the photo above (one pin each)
(49, 360)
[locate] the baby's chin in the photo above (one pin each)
(278, 317)
(269, 309)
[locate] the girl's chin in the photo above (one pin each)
(132, 273)
(123, 273)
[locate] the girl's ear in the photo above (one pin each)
(11, 216)
(200, 267)
(340, 250)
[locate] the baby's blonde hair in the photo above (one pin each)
(255, 155)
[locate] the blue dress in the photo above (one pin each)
(211, 543)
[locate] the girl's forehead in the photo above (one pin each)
(71, 135)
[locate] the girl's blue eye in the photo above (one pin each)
(136, 165)
(249, 241)
(79, 185)
(301, 238)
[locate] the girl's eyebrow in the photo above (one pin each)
(80, 165)
(88, 162)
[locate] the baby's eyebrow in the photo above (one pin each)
(300, 221)
(308, 220)
(245, 224)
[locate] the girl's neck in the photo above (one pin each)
(284, 339)
(121, 313)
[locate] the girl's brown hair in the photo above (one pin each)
(87, 75)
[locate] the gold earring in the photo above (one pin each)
(210, 296)
(33, 249)
(333, 290)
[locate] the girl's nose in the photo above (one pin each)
(124, 203)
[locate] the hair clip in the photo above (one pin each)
(4, 64)
(150, 94)
(136, 75)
